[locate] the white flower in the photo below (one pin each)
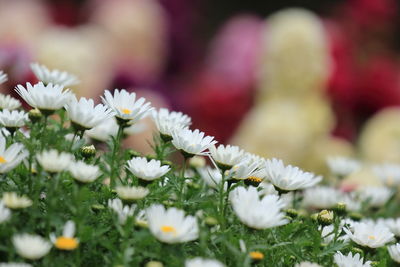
(12, 156)
(13, 201)
(226, 156)
(83, 172)
(31, 247)
(321, 197)
(3, 77)
(352, 203)
(191, 142)
(350, 260)
(388, 173)
(54, 161)
(13, 119)
(243, 170)
(343, 166)
(370, 234)
(9, 102)
(129, 193)
(104, 131)
(307, 264)
(288, 178)
(392, 224)
(211, 176)
(47, 76)
(147, 170)
(5, 213)
(66, 241)
(327, 232)
(201, 262)
(14, 264)
(46, 98)
(126, 106)
(123, 212)
(84, 114)
(255, 212)
(375, 196)
(394, 252)
(171, 225)
(135, 128)
(167, 122)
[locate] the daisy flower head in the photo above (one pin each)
(66, 241)
(147, 170)
(343, 166)
(14, 264)
(3, 77)
(307, 264)
(243, 171)
(211, 176)
(123, 212)
(226, 156)
(12, 156)
(392, 224)
(321, 197)
(46, 98)
(84, 173)
(9, 102)
(369, 234)
(255, 212)
(191, 143)
(84, 115)
(32, 247)
(171, 225)
(13, 201)
(394, 252)
(131, 193)
(128, 110)
(374, 196)
(53, 161)
(169, 121)
(202, 262)
(5, 213)
(350, 260)
(47, 76)
(13, 119)
(103, 131)
(388, 173)
(288, 178)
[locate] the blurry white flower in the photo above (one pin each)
(83, 172)
(66, 241)
(375, 196)
(321, 197)
(3, 77)
(13, 201)
(5, 213)
(131, 193)
(350, 260)
(352, 203)
(343, 166)
(171, 225)
(13, 119)
(46, 98)
(327, 233)
(31, 247)
(243, 170)
(392, 224)
(54, 161)
(255, 212)
(202, 262)
(14, 264)
(12, 156)
(190, 142)
(126, 107)
(123, 212)
(388, 173)
(307, 264)
(104, 131)
(147, 170)
(169, 121)
(226, 156)
(369, 234)
(288, 178)
(394, 252)
(135, 128)
(9, 102)
(47, 76)
(85, 115)
(211, 176)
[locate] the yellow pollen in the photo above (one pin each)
(2, 160)
(254, 179)
(66, 243)
(168, 229)
(125, 111)
(372, 237)
(256, 255)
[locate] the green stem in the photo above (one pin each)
(221, 200)
(182, 181)
(114, 156)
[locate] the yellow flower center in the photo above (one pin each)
(372, 237)
(256, 255)
(126, 111)
(66, 243)
(254, 179)
(168, 229)
(2, 160)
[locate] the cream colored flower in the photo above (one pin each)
(32, 247)
(13, 201)
(131, 193)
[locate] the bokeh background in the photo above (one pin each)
(299, 80)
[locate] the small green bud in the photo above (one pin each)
(133, 154)
(97, 207)
(355, 216)
(356, 250)
(88, 151)
(167, 162)
(197, 162)
(325, 217)
(35, 115)
(314, 216)
(154, 264)
(150, 157)
(375, 263)
(211, 221)
(193, 185)
(292, 213)
(340, 208)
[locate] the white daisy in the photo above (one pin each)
(375, 196)
(131, 193)
(226, 156)
(66, 241)
(3, 77)
(350, 260)
(14, 264)
(191, 143)
(370, 234)
(288, 178)
(394, 252)
(83, 172)
(103, 131)
(202, 262)
(85, 115)
(243, 170)
(171, 225)
(31, 247)
(343, 166)
(321, 197)
(47, 76)
(169, 121)
(255, 212)
(388, 173)
(9, 102)
(12, 156)
(123, 212)
(5, 213)
(54, 161)
(327, 233)
(392, 224)
(147, 170)
(127, 108)
(46, 98)
(307, 264)
(13, 201)
(211, 176)
(13, 119)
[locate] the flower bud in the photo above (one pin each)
(35, 115)
(325, 217)
(88, 151)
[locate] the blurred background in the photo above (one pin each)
(295, 79)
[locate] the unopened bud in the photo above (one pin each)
(197, 162)
(34, 115)
(325, 217)
(154, 264)
(88, 151)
